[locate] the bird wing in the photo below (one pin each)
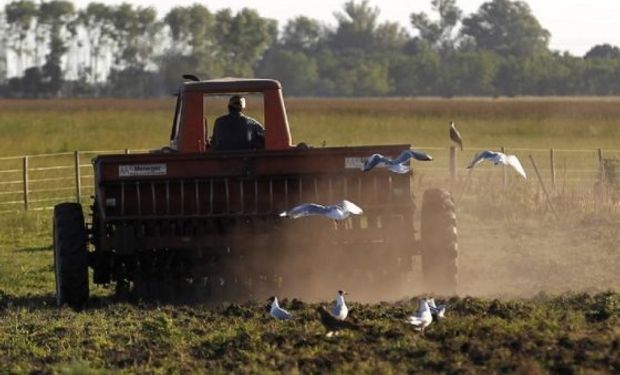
(411, 154)
(351, 207)
(483, 155)
(431, 303)
(415, 320)
(281, 314)
(399, 168)
(343, 210)
(441, 311)
(514, 162)
(336, 212)
(455, 136)
(306, 209)
(338, 311)
(421, 319)
(374, 160)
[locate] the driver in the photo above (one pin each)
(236, 131)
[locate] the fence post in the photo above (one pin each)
(452, 165)
(25, 181)
(504, 174)
(78, 177)
(127, 151)
(544, 189)
(601, 167)
(552, 166)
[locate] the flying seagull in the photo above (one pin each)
(455, 136)
(497, 158)
(340, 309)
(277, 312)
(339, 211)
(333, 324)
(423, 317)
(438, 310)
(396, 165)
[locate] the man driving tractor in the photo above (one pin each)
(236, 131)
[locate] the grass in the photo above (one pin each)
(544, 292)
(66, 125)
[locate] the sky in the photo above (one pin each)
(575, 25)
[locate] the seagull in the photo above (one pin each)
(277, 312)
(395, 165)
(340, 309)
(497, 158)
(333, 324)
(339, 211)
(438, 311)
(423, 317)
(455, 136)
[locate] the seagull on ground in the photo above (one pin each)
(455, 136)
(497, 158)
(340, 309)
(423, 317)
(277, 312)
(438, 310)
(396, 165)
(333, 324)
(339, 211)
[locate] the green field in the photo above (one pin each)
(34, 127)
(545, 289)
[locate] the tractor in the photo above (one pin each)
(186, 220)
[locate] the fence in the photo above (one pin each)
(37, 182)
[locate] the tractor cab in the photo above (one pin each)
(190, 125)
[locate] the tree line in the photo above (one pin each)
(56, 50)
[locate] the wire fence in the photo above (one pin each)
(38, 182)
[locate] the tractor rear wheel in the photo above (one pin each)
(70, 255)
(439, 241)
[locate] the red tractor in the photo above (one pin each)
(187, 219)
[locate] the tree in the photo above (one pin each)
(416, 74)
(134, 33)
(297, 71)
(191, 28)
(194, 48)
(303, 34)
(438, 34)
(56, 19)
(356, 27)
(20, 17)
(603, 51)
(467, 73)
(390, 37)
(97, 21)
(242, 39)
(506, 27)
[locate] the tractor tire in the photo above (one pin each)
(70, 255)
(439, 242)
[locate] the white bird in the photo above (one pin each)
(277, 312)
(497, 158)
(339, 211)
(396, 165)
(340, 309)
(423, 317)
(438, 311)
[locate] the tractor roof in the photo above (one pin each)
(226, 85)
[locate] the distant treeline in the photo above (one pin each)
(56, 50)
